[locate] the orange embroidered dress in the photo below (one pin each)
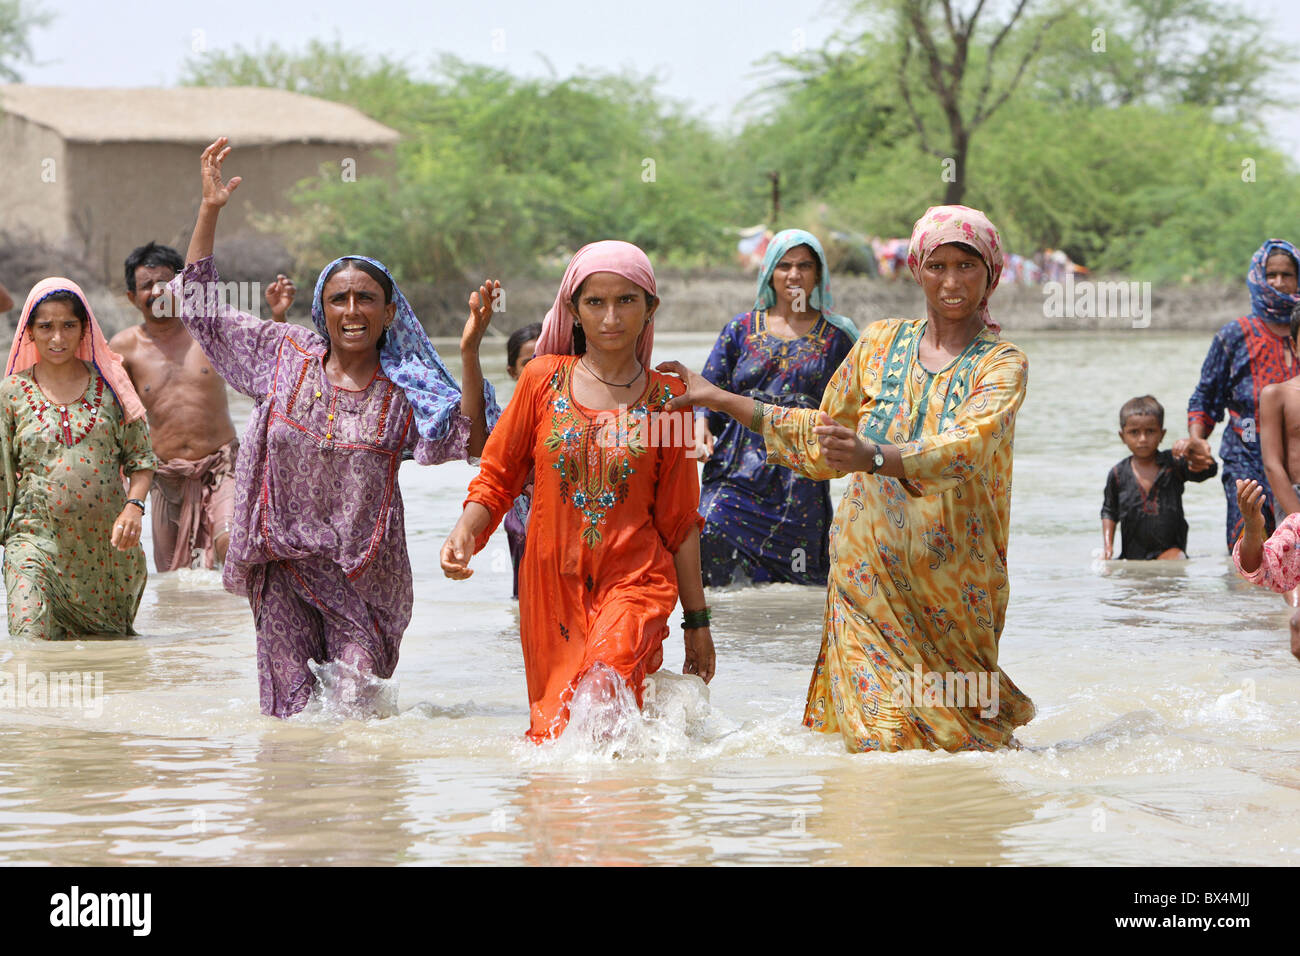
(614, 497)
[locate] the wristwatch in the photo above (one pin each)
(877, 459)
(137, 502)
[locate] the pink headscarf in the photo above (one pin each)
(92, 348)
(608, 255)
(944, 224)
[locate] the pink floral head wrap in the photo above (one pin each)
(92, 348)
(608, 255)
(944, 224)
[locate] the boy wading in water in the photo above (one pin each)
(189, 419)
(1144, 492)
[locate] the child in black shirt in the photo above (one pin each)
(1144, 492)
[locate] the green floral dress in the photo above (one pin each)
(63, 489)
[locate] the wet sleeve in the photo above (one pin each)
(677, 490)
(934, 464)
(1279, 566)
(1110, 498)
(241, 347)
(507, 460)
(788, 432)
(136, 451)
(1210, 397)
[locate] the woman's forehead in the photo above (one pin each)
(953, 252)
(55, 309)
(349, 279)
(608, 283)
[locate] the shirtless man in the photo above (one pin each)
(189, 418)
(1279, 446)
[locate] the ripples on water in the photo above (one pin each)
(1167, 702)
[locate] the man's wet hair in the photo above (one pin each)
(150, 255)
(1143, 405)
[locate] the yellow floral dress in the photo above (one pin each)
(917, 595)
(63, 490)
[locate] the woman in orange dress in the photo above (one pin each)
(613, 536)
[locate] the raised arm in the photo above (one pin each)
(472, 402)
(240, 346)
(216, 194)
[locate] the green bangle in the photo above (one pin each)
(756, 422)
(693, 619)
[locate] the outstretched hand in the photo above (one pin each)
(216, 193)
(481, 306)
(700, 392)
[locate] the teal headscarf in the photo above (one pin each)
(821, 300)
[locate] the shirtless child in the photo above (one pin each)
(1279, 446)
(189, 418)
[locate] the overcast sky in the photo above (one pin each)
(704, 50)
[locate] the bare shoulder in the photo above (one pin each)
(125, 341)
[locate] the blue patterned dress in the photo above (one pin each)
(763, 522)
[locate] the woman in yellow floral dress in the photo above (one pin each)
(921, 414)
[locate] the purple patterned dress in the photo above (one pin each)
(319, 541)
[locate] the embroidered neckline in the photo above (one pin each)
(62, 429)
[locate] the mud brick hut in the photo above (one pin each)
(102, 170)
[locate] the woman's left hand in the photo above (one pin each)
(700, 658)
(126, 529)
(841, 447)
(481, 306)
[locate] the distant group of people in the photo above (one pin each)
(609, 525)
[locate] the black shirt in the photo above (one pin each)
(1150, 522)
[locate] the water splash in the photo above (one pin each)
(342, 690)
(605, 723)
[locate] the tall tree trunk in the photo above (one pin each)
(957, 186)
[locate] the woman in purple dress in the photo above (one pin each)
(763, 522)
(319, 542)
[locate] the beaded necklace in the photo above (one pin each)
(63, 428)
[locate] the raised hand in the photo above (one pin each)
(1250, 499)
(480, 314)
(279, 296)
(216, 192)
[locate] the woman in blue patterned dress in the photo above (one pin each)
(764, 523)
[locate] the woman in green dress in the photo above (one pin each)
(71, 429)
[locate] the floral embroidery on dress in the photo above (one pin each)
(62, 430)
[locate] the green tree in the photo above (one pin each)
(17, 20)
